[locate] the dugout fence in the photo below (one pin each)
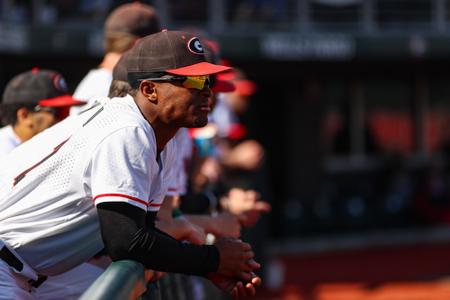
(123, 279)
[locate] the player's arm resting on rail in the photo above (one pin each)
(126, 236)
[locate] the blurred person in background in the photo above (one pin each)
(243, 185)
(32, 102)
(207, 169)
(123, 27)
(237, 152)
(213, 187)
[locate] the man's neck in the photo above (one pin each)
(163, 136)
(163, 133)
(21, 132)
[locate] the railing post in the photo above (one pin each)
(163, 12)
(368, 14)
(217, 11)
(303, 13)
(438, 13)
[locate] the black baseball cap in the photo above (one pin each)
(173, 52)
(133, 18)
(120, 71)
(39, 87)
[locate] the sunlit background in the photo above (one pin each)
(352, 107)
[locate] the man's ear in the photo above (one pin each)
(22, 114)
(148, 89)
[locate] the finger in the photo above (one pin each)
(241, 289)
(250, 289)
(246, 246)
(256, 281)
(262, 206)
(252, 195)
(244, 276)
(234, 293)
(248, 255)
(253, 264)
(245, 267)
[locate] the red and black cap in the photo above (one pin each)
(173, 52)
(133, 18)
(39, 87)
(242, 85)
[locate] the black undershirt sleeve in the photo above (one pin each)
(128, 232)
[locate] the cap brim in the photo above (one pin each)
(245, 87)
(202, 68)
(61, 101)
(223, 86)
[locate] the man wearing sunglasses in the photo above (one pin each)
(32, 101)
(98, 179)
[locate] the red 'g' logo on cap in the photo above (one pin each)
(195, 46)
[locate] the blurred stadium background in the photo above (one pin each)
(353, 108)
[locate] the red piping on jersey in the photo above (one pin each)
(128, 197)
(24, 173)
(172, 189)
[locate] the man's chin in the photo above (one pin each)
(199, 123)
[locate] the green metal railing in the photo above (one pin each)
(123, 279)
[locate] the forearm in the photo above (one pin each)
(203, 221)
(172, 228)
(126, 236)
(169, 255)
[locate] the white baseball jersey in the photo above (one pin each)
(51, 183)
(184, 145)
(8, 140)
(94, 85)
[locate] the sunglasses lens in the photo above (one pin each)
(196, 82)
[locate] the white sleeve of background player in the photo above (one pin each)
(95, 84)
(172, 169)
(185, 159)
(121, 168)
